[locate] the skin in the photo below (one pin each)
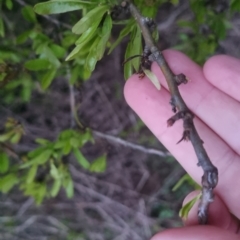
(213, 95)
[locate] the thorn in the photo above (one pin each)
(185, 136)
(170, 122)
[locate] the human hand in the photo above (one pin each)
(213, 94)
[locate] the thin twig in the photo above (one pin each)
(128, 144)
(179, 107)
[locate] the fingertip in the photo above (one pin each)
(223, 72)
(219, 215)
(196, 233)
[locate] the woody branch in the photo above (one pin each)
(181, 111)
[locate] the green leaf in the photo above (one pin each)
(88, 35)
(32, 173)
(60, 6)
(47, 53)
(40, 193)
(42, 141)
(37, 64)
(75, 142)
(29, 14)
(48, 78)
(105, 34)
(153, 78)
(54, 171)
(16, 138)
(6, 136)
(90, 18)
(185, 178)
(9, 4)
(235, 5)
(99, 165)
(128, 70)
(7, 182)
(67, 148)
(4, 162)
(74, 74)
(174, 2)
(55, 187)
(2, 31)
(74, 53)
(184, 211)
(58, 51)
(128, 29)
(81, 159)
(22, 38)
(69, 187)
(59, 144)
(136, 48)
(41, 159)
(218, 26)
(82, 49)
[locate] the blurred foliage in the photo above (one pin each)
(32, 55)
(209, 26)
(43, 171)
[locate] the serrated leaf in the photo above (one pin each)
(4, 162)
(29, 14)
(48, 78)
(81, 159)
(184, 211)
(37, 64)
(60, 6)
(90, 18)
(34, 153)
(99, 165)
(153, 78)
(32, 173)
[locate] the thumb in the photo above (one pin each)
(196, 233)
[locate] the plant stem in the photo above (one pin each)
(210, 176)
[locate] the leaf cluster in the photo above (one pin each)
(43, 171)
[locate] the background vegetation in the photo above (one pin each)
(75, 161)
